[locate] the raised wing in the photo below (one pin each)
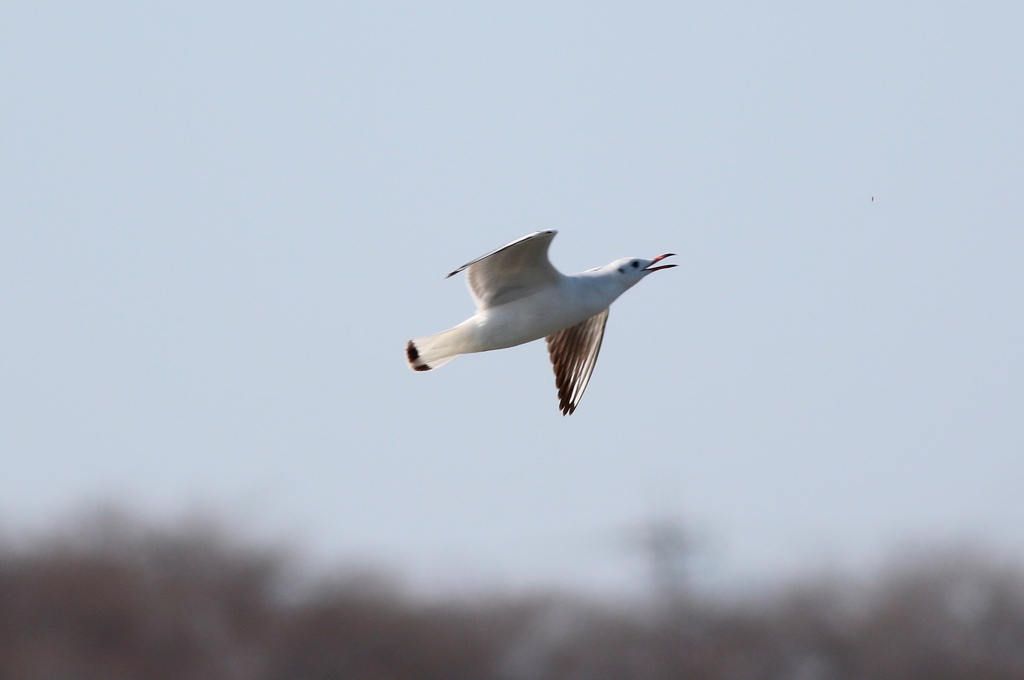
(573, 355)
(511, 272)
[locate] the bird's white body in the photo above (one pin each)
(521, 297)
(572, 299)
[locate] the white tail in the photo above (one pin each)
(435, 350)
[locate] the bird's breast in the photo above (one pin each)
(535, 317)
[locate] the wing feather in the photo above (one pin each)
(512, 271)
(573, 353)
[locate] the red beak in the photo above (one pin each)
(659, 258)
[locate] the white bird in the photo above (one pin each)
(520, 297)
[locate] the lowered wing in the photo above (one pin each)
(511, 272)
(573, 355)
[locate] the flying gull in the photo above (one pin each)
(520, 297)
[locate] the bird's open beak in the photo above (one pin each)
(659, 258)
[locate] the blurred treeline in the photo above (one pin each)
(114, 600)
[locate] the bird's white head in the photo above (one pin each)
(629, 270)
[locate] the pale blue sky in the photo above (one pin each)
(222, 221)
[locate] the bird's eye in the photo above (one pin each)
(621, 270)
(635, 264)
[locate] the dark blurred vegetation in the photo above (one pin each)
(112, 600)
